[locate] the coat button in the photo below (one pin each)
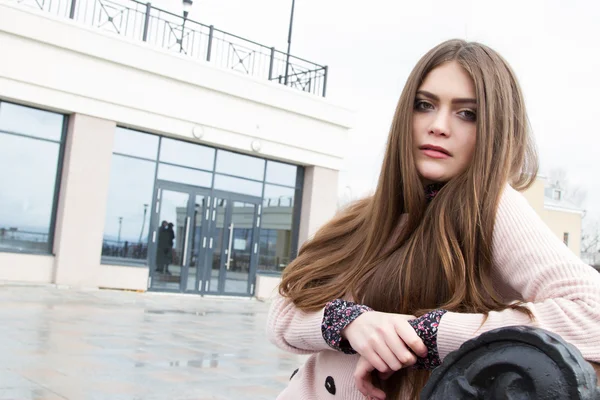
(330, 385)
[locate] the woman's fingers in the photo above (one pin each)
(386, 349)
(410, 338)
(385, 375)
(376, 361)
(364, 384)
(401, 352)
(387, 353)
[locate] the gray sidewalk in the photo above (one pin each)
(73, 344)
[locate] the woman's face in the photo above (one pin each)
(444, 123)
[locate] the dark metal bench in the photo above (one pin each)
(515, 363)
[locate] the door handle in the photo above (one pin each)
(228, 263)
(186, 242)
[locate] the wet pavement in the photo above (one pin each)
(58, 344)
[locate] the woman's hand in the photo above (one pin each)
(385, 340)
(363, 380)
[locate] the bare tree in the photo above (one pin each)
(590, 228)
(590, 243)
(590, 236)
(575, 194)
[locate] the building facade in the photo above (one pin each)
(563, 218)
(132, 164)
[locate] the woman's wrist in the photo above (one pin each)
(426, 327)
(337, 316)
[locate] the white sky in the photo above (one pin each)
(371, 46)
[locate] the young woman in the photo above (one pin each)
(446, 249)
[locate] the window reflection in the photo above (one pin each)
(276, 228)
(242, 229)
(187, 154)
(184, 175)
(237, 185)
(131, 191)
(136, 143)
(128, 210)
(28, 178)
(240, 165)
(31, 121)
(170, 263)
(280, 173)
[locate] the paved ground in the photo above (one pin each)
(78, 345)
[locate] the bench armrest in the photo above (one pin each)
(514, 362)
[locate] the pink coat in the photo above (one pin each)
(531, 264)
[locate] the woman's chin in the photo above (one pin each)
(433, 177)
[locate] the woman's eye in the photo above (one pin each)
(423, 105)
(468, 115)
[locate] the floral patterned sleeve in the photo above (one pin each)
(426, 327)
(338, 314)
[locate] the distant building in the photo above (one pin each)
(563, 217)
(116, 119)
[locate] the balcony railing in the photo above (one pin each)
(144, 22)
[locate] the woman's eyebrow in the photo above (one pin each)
(432, 96)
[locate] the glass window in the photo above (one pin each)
(128, 210)
(184, 175)
(136, 143)
(238, 185)
(240, 165)
(187, 154)
(31, 121)
(276, 228)
(283, 174)
(28, 171)
(278, 196)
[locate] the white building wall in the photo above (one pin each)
(72, 68)
(103, 80)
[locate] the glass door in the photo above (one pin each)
(242, 224)
(232, 245)
(177, 226)
(198, 241)
(216, 245)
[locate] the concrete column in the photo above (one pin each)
(82, 200)
(319, 200)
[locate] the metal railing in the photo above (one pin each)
(142, 21)
(124, 249)
(22, 235)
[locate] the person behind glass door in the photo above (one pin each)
(446, 249)
(163, 250)
(170, 242)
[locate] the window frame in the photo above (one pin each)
(57, 181)
(122, 261)
(298, 192)
(296, 213)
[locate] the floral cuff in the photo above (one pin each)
(338, 314)
(426, 327)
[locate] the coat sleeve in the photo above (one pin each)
(294, 330)
(562, 292)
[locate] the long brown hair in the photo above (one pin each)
(442, 255)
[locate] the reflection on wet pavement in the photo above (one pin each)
(79, 345)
